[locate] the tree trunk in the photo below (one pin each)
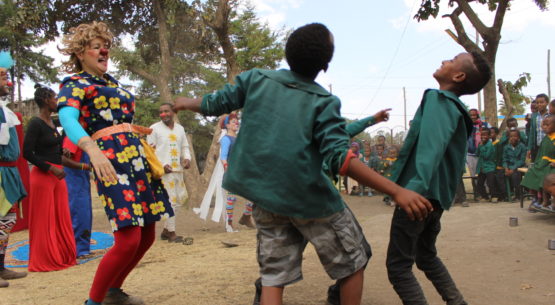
(219, 23)
(490, 102)
(194, 182)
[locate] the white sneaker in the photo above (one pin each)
(196, 211)
(230, 229)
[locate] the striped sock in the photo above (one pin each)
(248, 208)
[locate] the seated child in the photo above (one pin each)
(485, 168)
(533, 180)
(388, 162)
(386, 166)
(351, 186)
(498, 156)
(514, 157)
(512, 124)
(295, 201)
(367, 160)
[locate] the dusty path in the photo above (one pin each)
(491, 262)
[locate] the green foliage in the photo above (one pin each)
(518, 99)
(257, 46)
(23, 28)
(430, 8)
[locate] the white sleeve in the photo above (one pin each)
(151, 138)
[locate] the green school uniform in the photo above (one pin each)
(546, 155)
(486, 158)
(432, 159)
(387, 166)
(514, 157)
(291, 128)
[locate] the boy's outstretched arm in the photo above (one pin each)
(416, 206)
(185, 103)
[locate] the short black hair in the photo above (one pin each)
(42, 94)
(309, 49)
(167, 104)
(542, 95)
(495, 129)
(552, 102)
(514, 130)
(511, 119)
(477, 75)
(485, 130)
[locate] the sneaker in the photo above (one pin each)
(118, 297)
(534, 207)
(8, 274)
(548, 209)
(3, 283)
(258, 291)
(333, 295)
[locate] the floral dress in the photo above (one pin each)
(136, 199)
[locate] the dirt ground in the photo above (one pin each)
(491, 262)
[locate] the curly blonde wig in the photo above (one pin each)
(78, 39)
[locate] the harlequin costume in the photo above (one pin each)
(136, 201)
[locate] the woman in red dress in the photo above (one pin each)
(51, 242)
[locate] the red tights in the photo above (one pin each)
(131, 244)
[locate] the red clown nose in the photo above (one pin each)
(104, 52)
(163, 115)
(9, 84)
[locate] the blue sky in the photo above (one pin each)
(380, 49)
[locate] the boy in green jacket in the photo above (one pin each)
(431, 163)
(299, 131)
(485, 168)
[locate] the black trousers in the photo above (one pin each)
(500, 185)
(488, 178)
(415, 242)
(515, 178)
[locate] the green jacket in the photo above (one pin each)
(431, 161)
(514, 157)
(502, 143)
(546, 155)
(486, 158)
(291, 129)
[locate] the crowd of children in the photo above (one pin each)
(379, 157)
(504, 160)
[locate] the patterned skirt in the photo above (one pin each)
(135, 199)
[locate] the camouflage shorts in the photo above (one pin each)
(337, 239)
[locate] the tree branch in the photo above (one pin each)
(142, 73)
(500, 15)
(473, 18)
(462, 37)
(507, 101)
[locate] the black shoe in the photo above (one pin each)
(333, 294)
(258, 293)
